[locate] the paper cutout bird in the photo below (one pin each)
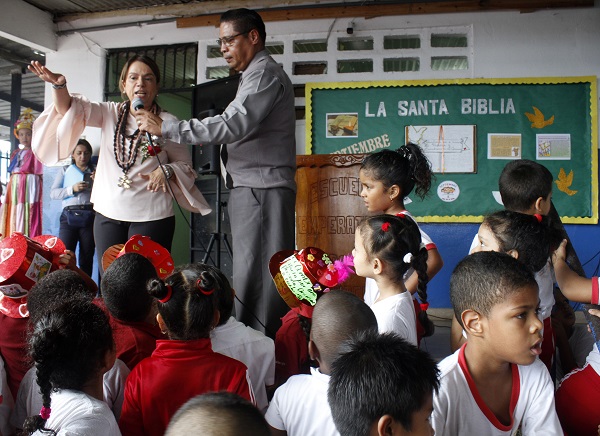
(537, 119)
(564, 182)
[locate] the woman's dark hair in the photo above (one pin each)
(68, 346)
(532, 237)
(407, 167)
(189, 310)
(138, 58)
(391, 238)
(88, 147)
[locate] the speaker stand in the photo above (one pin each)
(217, 236)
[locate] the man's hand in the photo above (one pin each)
(148, 122)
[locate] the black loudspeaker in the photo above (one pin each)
(210, 99)
(209, 159)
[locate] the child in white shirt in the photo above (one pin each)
(385, 248)
(495, 384)
(299, 407)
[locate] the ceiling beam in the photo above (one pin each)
(4, 122)
(187, 9)
(391, 8)
(24, 102)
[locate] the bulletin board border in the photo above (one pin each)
(593, 113)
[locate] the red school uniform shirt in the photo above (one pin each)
(134, 340)
(177, 371)
(13, 349)
(291, 349)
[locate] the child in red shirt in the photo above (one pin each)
(185, 365)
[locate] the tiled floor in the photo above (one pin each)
(438, 345)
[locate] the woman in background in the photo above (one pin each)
(73, 185)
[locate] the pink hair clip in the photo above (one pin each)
(45, 412)
(168, 296)
(538, 217)
(201, 289)
(385, 226)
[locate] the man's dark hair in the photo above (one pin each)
(218, 414)
(522, 182)
(124, 287)
(377, 375)
(482, 280)
(244, 20)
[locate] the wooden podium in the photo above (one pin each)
(329, 206)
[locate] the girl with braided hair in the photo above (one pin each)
(184, 365)
(387, 178)
(72, 347)
(385, 248)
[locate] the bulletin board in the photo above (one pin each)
(470, 129)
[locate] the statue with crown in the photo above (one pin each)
(22, 208)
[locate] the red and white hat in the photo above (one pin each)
(23, 262)
(301, 277)
(54, 244)
(158, 255)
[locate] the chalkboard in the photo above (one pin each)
(469, 129)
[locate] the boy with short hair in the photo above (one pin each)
(299, 406)
(218, 414)
(132, 310)
(494, 384)
(381, 385)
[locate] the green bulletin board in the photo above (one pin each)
(469, 129)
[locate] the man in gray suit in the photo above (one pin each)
(259, 130)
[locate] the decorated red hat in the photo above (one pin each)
(158, 255)
(54, 244)
(301, 277)
(23, 262)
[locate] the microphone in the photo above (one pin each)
(137, 104)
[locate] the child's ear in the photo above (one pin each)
(377, 266)
(109, 359)
(216, 319)
(386, 426)
(513, 253)
(539, 204)
(161, 323)
(394, 192)
(313, 351)
(472, 322)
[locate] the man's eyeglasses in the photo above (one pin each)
(230, 40)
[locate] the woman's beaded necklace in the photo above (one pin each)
(126, 154)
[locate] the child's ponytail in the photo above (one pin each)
(419, 264)
(38, 422)
(407, 167)
(420, 168)
(188, 301)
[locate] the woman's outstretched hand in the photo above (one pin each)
(46, 75)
